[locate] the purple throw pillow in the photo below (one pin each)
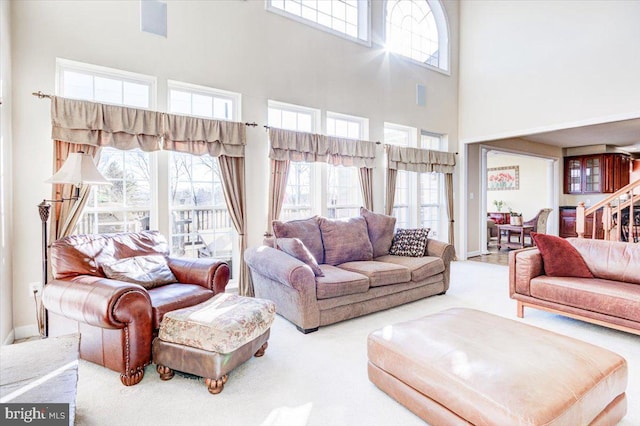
(380, 228)
(296, 248)
(345, 240)
(306, 230)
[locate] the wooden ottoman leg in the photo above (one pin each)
(260, 351)
(165, 372)
(215, 386)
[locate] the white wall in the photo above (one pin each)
(534, 187)
(6, 193)
(230, 45)
(541, 65)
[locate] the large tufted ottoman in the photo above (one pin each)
(463, 366)
(213, 338)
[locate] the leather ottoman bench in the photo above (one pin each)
(213, 338)
(463, 366)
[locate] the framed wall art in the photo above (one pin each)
(503, 178)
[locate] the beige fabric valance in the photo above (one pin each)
(199, 136)
(91, 123)
(301, 146)
(420, 160)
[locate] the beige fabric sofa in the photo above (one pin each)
(348, 289)
(611, 298)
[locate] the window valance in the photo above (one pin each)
(420, 160)
(309, 147)
(91, 123)
(199, 136)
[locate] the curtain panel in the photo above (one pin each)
(313, 148)
(419, 160)
(91, 123)
(277, 191)
(200, 136)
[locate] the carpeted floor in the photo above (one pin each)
(321, 378)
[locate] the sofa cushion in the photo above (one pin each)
(380, 228)
(345, 240)
(614, 298)
(379, 273)
(420, 267)
(149, 271)
(560, 258)
(410, 242)
(296, 248)
(307, 230)
(338, 282)
(612, 260)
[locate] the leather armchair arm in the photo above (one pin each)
(99, 302)
(524, 265)
(209, 273)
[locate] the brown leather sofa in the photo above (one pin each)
(609, 299)
(117, 320)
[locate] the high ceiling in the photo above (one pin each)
(624, 134)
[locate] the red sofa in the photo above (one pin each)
(117, 320)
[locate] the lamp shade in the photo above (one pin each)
(79, 169)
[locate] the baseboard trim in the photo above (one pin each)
(26, 331)
(473, 253)
(10, 338)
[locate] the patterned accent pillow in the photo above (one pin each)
(296, 248)
(410, 242)
(148, 271)
(307, 230)
(380, 228)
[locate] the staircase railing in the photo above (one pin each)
(614, 208)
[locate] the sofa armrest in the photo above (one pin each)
(279, 266)
(446, 252)
(99, 302)
(524, 265)
(441, 249)
(210, 273)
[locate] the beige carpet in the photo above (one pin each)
(321, 378)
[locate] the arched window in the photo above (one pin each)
(418, 30)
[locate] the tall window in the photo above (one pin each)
(418, 29)
(347, 18)
(344, 196)
(200, 222)
(298, 201)
(419, 196)
(126, 204)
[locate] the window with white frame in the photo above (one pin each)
(347, 18)
(126, 204)
(418, 29)
(200, 222)
(298, 202)
(344, 196)
(419, 197)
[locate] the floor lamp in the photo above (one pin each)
(79, 169)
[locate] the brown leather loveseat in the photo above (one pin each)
(116, 319)
(610, 298)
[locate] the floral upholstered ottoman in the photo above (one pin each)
(213, 338)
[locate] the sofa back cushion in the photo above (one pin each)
(560, 258)
(345, 240)
(85, 254)
(611, 260)
(380, 228)
(306, 230)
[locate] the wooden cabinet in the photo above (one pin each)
(598, 173)
(568, 223)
